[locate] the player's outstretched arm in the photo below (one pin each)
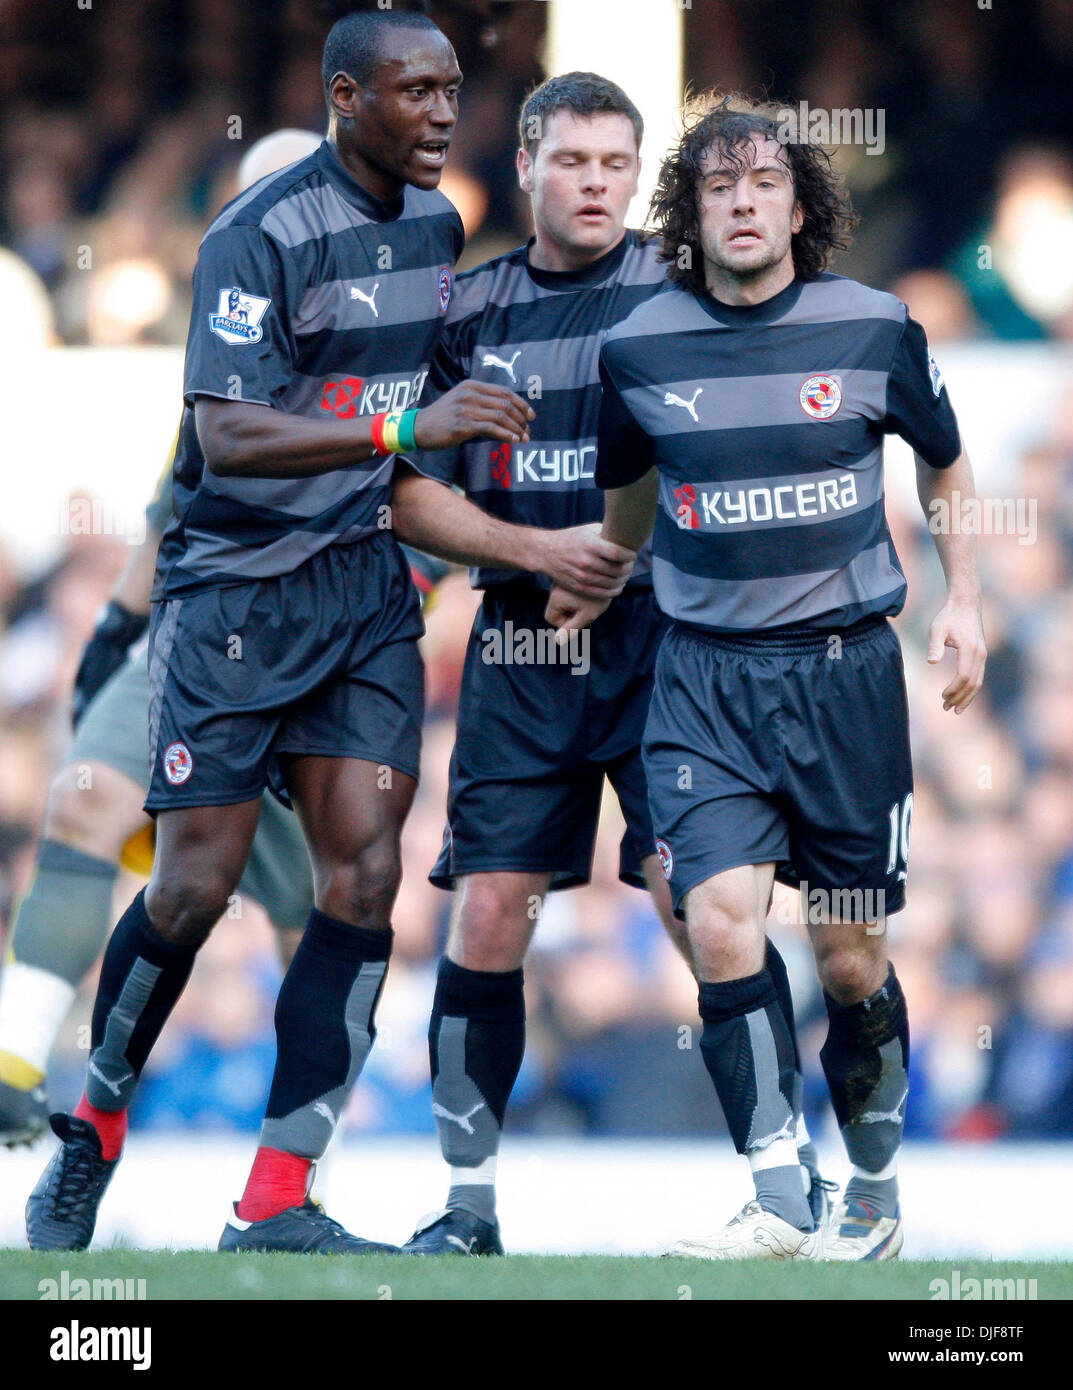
(430, 516)
(629, 514)
(959, 624)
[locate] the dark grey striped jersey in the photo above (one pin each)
(766, 424)
(538, 332)
(315, 298)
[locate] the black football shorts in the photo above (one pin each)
(790, 748)
(536, 738)
(321, 661)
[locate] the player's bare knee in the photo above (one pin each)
(493, 922)
(87, 811)
(849, 973)
(185, 908)
(362, 890)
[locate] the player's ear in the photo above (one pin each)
(636, 178)
(798, 219)
(342, 95)
(524, 164)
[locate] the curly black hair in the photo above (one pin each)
(729, 123)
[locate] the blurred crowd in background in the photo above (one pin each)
(115, 150)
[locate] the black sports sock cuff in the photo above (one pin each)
(490, 996)
(147, 942)
(328, 936)
(733, 998)
(59, 858)
(881, 1015)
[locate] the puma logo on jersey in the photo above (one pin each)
(369, 299)
(874, 1117)
(671, 399)
(491, 360)
(463, 1121)
(113, 1086)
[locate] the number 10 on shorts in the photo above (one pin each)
(899, 816)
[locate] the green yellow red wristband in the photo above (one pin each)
(407, 439)
(393, 431)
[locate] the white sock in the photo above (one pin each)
(781, 1154)
(33, 1005)
(483, 1175)
(890, 1171)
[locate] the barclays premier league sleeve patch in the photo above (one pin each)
(239, 318)
(935, 374)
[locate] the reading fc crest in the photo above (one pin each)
(821, 396)
(178, 763)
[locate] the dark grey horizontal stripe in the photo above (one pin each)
(393, 349)
(870, 582)
(297, 498)
(772, 553)
(784, 500)
(549, 319)
(506, 282)
(206, 557)
(338, 304)
(761, 350)
(747, 401)
(241, 524)
(767, 450)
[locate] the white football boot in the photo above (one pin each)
(854, 1232)
(754, 1234)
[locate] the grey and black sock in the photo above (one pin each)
(749, 1054)
(142, 976)
(866, 1062)
(806, 1149)
(325, 1026)
(476, 1042)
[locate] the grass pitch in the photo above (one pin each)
(207, 1275)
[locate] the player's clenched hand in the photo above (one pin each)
(579, 559)
(473, 410)
(959, 625)
(570, 612)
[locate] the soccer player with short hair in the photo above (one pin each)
(744, 413)
(285, 626)
(94, 819)
(536, 737)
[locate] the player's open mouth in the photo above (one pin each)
(745, 238)
(592, 212)
(433, 152)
